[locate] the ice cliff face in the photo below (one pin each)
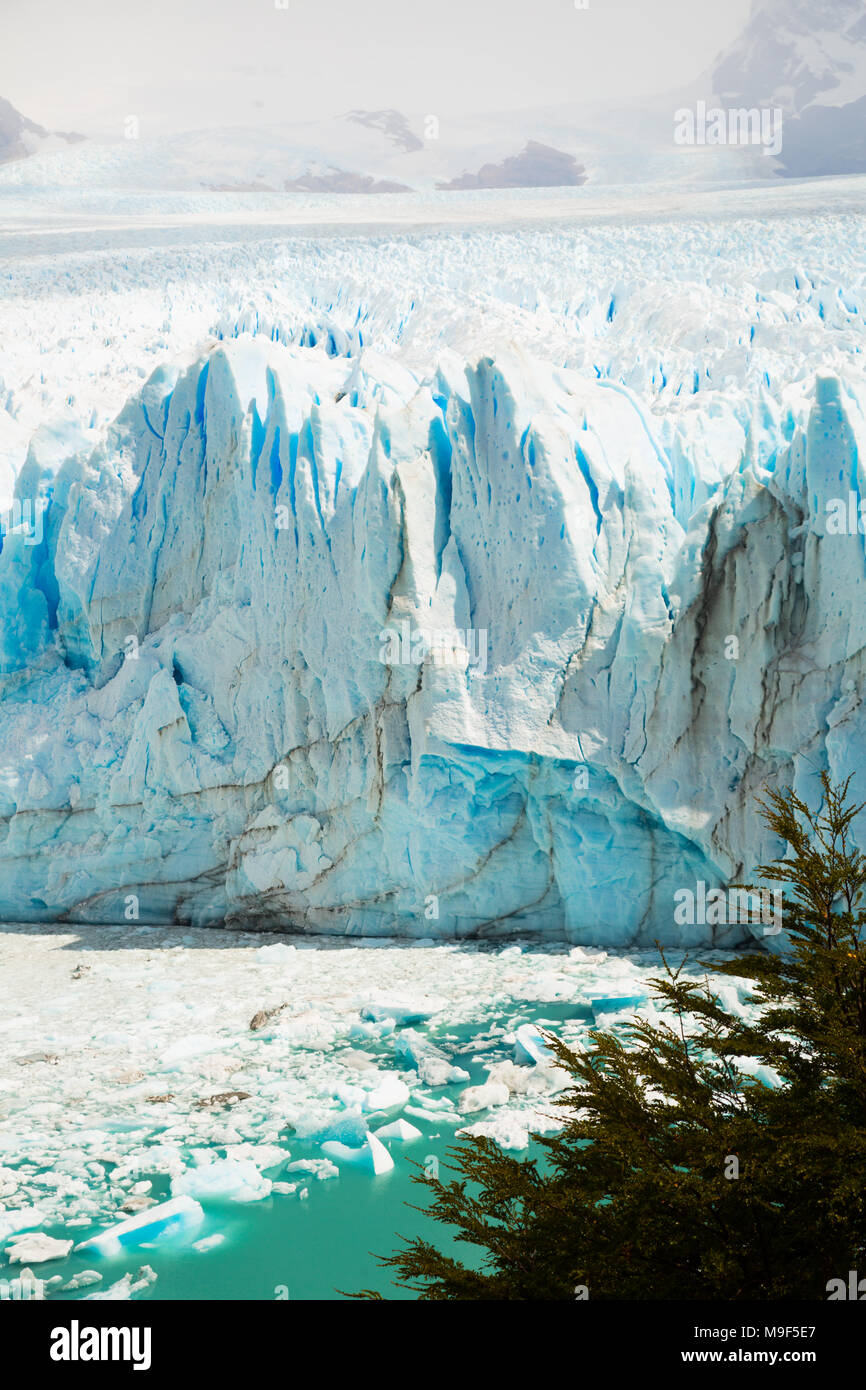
(308, 642)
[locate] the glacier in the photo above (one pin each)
(403, 602)
(216, 708)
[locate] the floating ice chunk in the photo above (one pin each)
(379, 1157)
(403, 1011)
(530, 1047)
(411, 1047)
(208, 1243)
(523, 1080)
(350, 1096)
(158, 1158)
(383, 1029)
(127, 1287)
(483, 1097)
(347, 1126)
(24, 1219)
(320, 1168)
(262, 1155)
(438, 1071)
(223, 1180)
(750, 1066)
(431, 1064)
(399, 1129)
(435, 1103)
(278, 954)
(615, 1004)
(432, 1117)
(732, 997)
(510, 1131)
(455, 1076)
(82, 1281)
(391, 1094)
(372, 1155)
(136, 1204)
(178, 1215)
(35, 1248)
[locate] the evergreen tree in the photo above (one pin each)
(677, 1174)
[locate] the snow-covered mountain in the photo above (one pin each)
(358, 152)
(805, 57)
(537, 166)
(808, 58)
(796, 52)
(20, 137)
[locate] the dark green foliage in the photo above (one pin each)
(635, 1198)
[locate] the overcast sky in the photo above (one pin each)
(185, 64)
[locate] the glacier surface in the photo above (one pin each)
(334, 630)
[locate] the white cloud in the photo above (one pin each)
(184, 64)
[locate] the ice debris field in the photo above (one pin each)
(442, 592)
(198, 1104)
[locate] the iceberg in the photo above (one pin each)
(179, 1215)
(400, 1130)
(483, 1097)
(402, 1012)
(222, 1180)
(22, 1219)
(322, 1169)
(34, 1247)
(372, 1155)
(434, 1068)
(530, 1047)
(126, 1288)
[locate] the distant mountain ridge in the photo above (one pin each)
(804, 57)
(808, 58)
(21, 137)
(359, 152)
(393, 124)
(537, 166)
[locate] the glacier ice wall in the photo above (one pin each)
(310, 642)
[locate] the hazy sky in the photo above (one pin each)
(182, 64)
